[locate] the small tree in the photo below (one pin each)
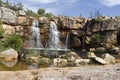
(41, 11)
(49, 14)
(19, 6)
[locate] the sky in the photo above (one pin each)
(73, 7)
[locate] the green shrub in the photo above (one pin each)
(13, 41)
(32, 52)
(1, 31)
(98, 37)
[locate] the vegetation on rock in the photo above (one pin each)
(9, 41)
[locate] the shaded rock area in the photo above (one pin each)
(102, 25)
(106, 72)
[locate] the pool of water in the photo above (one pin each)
(21, 65)
(16, 67)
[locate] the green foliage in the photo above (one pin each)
(16, 7)
(98, 37)
(45, 62)
(1, 30)
(33, 52)
(41, 11)
(7, 4)
(31, 13)
(49, 14)
(12, 41)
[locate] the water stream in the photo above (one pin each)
(54, 41)
(35, 41)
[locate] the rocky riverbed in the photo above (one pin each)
(103, 72)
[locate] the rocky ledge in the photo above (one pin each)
(105, 72)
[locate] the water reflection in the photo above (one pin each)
(9, 63)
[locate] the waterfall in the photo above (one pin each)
(66, 42)
(35, 35)
(54, 41)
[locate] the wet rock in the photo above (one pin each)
(100, 60)
(75, 42)
(60, 62)
(9, 54)
(8, 16)
(109, 58)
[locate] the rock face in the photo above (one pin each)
(8, 29)
(79, 30)
(22, 20)
(9, 54)
(7, 15)
(110, 39)
(102, 25)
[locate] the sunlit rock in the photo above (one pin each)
(9, 54)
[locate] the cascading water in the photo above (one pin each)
(54, 41)
(35, 41)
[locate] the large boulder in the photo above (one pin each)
(9, 63)
(100, 60)
(7, 15)
(9, 55)
(72, 56)
(109, 58)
